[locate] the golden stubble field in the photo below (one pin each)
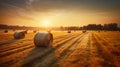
(75, 49)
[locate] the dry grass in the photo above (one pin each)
(94, 49)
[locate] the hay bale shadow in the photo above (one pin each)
(9, 41)
(34, 55)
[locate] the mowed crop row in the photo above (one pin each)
(54, 54)
(10, 52)
(110, 52)
(6, 50)
(93, 51)
(6, 38)
(34, 55)
(26, 41)
(77, 55)
(76, 49)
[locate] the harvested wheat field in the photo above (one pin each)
(75, 49)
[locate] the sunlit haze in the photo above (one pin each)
(45, 23)
(53, 13)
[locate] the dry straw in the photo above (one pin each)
(69, 31)
(43, 39)
(5, 31)
(19, 35)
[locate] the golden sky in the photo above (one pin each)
(55, 13)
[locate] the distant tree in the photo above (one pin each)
(99, 27)
(111, 26)
(3, 26)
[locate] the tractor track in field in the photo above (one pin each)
(97, 55)
(15, 48)
(105, 53)
(18, 44)
(13, 45)
(67, 51)
(12, 41)
(89, 49)
(111, 47)
(58, 43)
(59, 36)
(5, 37)
(81, 52)
(21, 40)
(11, 60)
(21, 47)
(48, 52)
(8, 42)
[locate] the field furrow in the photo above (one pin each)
(45, 51)
(31, 46)
(75, 49)
(15, 48)
(53, 56)
(106, 54)
(77, 55)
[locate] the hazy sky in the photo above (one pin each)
(59, 12)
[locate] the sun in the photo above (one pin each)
(46, 23)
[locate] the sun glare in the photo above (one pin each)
(46, 24)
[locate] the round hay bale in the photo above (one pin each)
(99, 31)
(14, 30)
(84, 31)
(34, 31)
(43, 39)
(25, 32)
(5, 31)
(19, 35)
(49, 31)
(68, 31)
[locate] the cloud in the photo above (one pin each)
(29, 2)
(30, 9)
(48, 5)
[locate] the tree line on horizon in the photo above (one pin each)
(107, 27)
(111, 27)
